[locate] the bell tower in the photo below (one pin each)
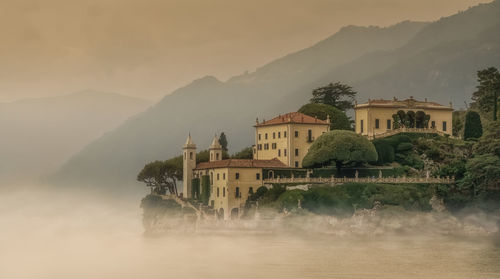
(188, 165)
(215, 150)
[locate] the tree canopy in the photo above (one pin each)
(338, 95)
(483, 170)
(340, 148)
(162, 175)
(245, 153)
(473, 127)
(339, 120)
(486, 97)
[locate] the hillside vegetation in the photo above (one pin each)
(419, 59)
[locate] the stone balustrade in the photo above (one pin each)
(341, 180)
(410, 130)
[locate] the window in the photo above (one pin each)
(309, 136)
(224, 176)
(217, 156)
(284, 152)
(433, 124)
(279, 135)
(388, 124)
(361, 126)
(237, 175)
(259, 147)
(259, 136)
(296, 152)
(237, 193)
(377, 124)
(296, 164)
(218, 190)
(257, 176)
(274, 135)
(279, 152)
(223, 191)
(265, 135)
(191, 155)
(266, 146)
(444, 126)
(284, 134)
(273, 146)
(218, 176)
(296, 134)
(211, 178)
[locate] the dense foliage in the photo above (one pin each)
(410, 119)
(338, 95)
(223, 141)
(473, 128)
(344, 199)
(195, 188)
(458, 120)
(162, 175)
(483, 169)
(487, 94)
(338, 119)
(205, 189)
(245, 153)
(340, 148)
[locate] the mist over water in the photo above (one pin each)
(62, 234)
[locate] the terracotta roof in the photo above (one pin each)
(241, 163)
(293, 117)
(408, 103)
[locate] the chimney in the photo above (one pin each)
(257, 121)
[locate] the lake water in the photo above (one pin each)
(58, 236)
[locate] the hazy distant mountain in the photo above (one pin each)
(436, 60)
(37, 135)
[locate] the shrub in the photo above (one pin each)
(404, 147)
(341, 148)
(195, 191)
(205, 189)
(473, 127)
(385, 152)
(289, 199)
(343, 199)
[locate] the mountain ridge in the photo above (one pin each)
(208, 106)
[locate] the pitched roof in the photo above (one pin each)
(408, 103)
(293, 117)
(241, 163)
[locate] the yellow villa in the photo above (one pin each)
(287, 137)
(232, 181)
(280, 145)
(380, 117)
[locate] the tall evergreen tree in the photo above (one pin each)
(473, 127)
(486, 96)
(336, 94)
(223, 141)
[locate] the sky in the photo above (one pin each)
(148, 48)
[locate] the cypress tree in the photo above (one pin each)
(473, 127)
(223, 141)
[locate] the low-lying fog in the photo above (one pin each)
(51, 234)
